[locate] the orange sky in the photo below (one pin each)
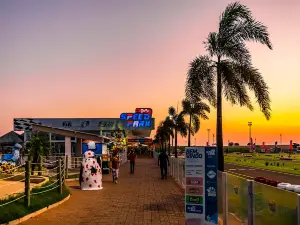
(116, 57)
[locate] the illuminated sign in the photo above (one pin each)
(140, 119)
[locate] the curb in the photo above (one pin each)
(36, 213)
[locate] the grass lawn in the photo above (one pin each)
(17, 209)
(274, 165)
(75, 175)
(294, 157)
(271, 205)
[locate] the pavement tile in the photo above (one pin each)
(140, 199)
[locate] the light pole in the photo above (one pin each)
(281, 142)
(213, 139)
(208, 130)
(250, 124)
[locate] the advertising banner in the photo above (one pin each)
(201, 197)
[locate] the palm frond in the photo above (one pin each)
(232, 14)
(200, 80)
(195, 124)
(211, 44)
(234, 88)
(237, 51)
(172, 111)
(252, 30)
(255, 81)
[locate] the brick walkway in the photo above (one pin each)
(141, 198)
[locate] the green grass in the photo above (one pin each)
(285, 202)
(17, 209)
(75, 175)
(279, 165)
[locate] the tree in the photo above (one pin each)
(178, 124)
(194, 109)
(228, 67)
(37, 147)
(168, 129)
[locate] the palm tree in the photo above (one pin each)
(168, 129)
(178, 124)
(37, 147)
(228, 67)
(194, 109)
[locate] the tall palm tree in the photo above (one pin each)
(194, 109)
(229, 68)
(178, 124)
(168, 128)
(160, 135)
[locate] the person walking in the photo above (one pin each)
(131, 158)
(163, 162)
(115, 167)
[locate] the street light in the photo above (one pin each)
(208, 130)
(250, 124)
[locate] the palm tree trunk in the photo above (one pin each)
(169, 147)
(219, 120)
(189, 134)
(175, 143)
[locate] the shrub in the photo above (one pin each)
(277, 164)
(267, 163)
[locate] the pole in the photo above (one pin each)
(213, 139)
(59, 175)
(250, 124)
(27, 184)
(281, 142)
(66, 166)
(208, 130)
(195, 142)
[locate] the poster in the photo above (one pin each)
(201, 197)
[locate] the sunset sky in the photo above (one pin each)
(96, 58)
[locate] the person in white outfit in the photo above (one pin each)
(90, 172)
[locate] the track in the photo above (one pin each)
(251, 173)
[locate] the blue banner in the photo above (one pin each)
(201, 174)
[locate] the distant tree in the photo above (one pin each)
(195, 109)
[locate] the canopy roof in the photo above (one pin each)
(10, 138)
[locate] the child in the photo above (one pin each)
(115, 167)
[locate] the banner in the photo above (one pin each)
(201, 197)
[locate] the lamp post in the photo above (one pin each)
(250, 124)
(281, 142)
(208, 130)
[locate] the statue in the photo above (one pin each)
(90, 172)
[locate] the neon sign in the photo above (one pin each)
(141, 118)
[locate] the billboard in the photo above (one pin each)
(78, 124)
(141, 118)
(201, 197)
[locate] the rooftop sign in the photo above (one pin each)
(142, 118)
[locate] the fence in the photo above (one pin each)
(30, 179)
(242, 201)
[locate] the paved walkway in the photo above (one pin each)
(142, 198)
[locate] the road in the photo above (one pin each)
(251, 173)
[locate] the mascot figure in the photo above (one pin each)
(90, 171)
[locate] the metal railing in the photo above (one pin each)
(242, 201)
(22, 176)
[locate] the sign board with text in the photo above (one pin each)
(201, 197)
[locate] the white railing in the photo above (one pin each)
(245, 201)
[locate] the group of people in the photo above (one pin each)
(91, 174)
(115, 166)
